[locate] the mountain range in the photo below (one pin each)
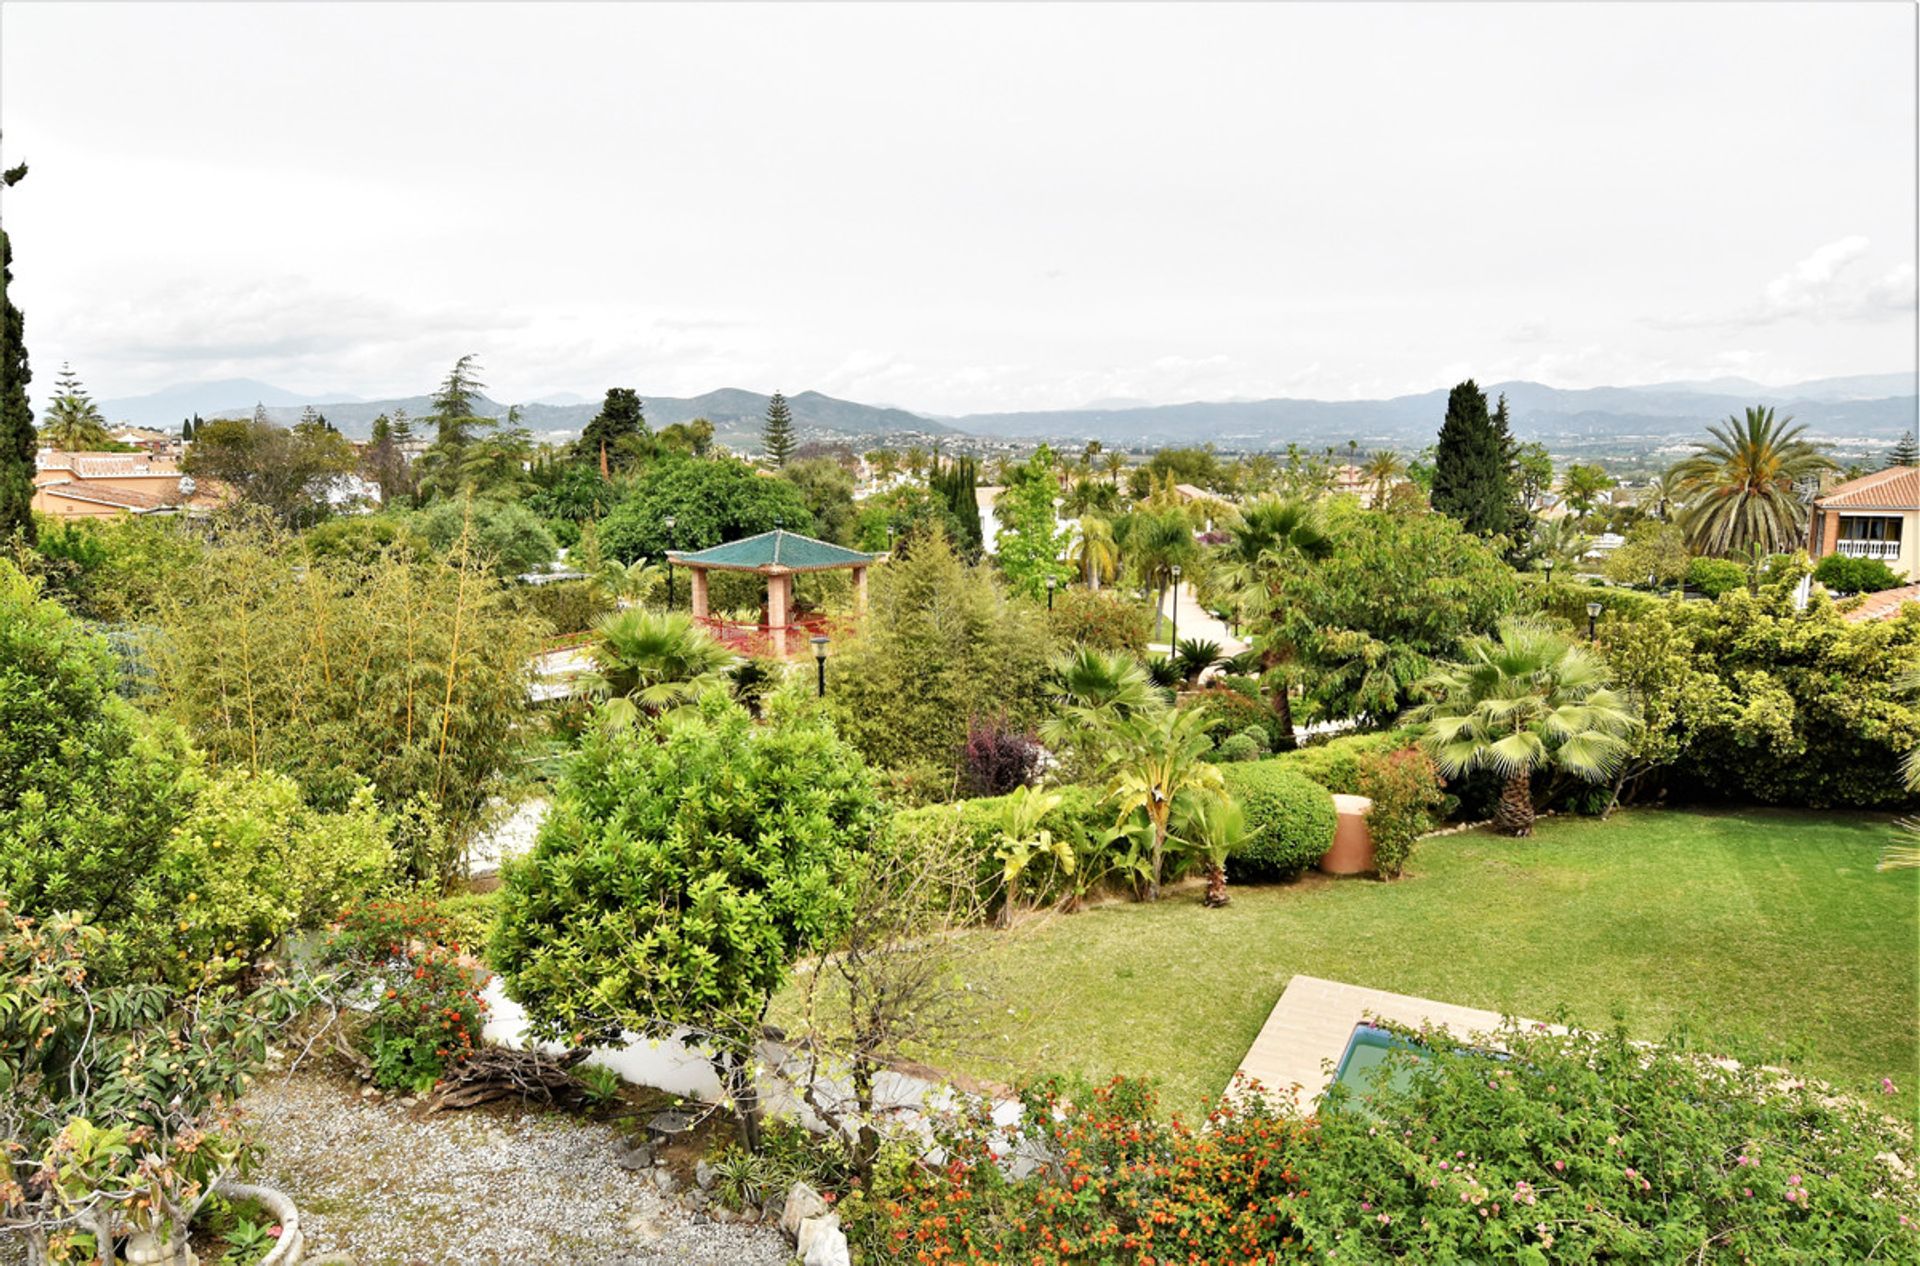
(1873, 406)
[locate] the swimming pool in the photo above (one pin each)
(1362, 1064)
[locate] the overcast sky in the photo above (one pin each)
(961, 209)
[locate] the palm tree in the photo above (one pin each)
(73, 422)
(1907, 685)
(1213, 828)
(1274, 536)
(1157, 541)
(1092, 687)
(1113, 464)
(1159, 761)
(1742, 489)
(1662, 496)
(652, 662)
(627, 583)
(1087, 497)
(1560, 540)
(1095, 551)
(1382, 469)
(1526, 700)
(1194, 656)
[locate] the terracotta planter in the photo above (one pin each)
(1352, 851)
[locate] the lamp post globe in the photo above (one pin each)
(1175, 643)
(819, 641)
(1050, 584)
(1593, 618)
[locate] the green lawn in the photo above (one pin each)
(1752, 926)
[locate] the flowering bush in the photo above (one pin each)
(1590, 1148)
(1406, 792)
(1116, 1183)
(425, 990)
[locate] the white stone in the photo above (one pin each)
(812, 1230)
(803, 1202)
(829, 1250)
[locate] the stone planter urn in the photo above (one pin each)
(1352, 851)
(291, 1249)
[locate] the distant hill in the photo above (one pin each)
(736, 415)
(167, 407)
(1875, 405)
(1866, 406)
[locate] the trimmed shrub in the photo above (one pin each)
(1406, 791)
(974, 825)
(563, 607)
(1567, 600)
(1290, 819)
(1244, 746)
(1716, 576)
(1335, 764)
(1855, 575)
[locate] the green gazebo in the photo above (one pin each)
(778, 555)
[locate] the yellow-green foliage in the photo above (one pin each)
(253, 862)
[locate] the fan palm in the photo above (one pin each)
(652, 662)
(1159, 761)
(1214, 828)
(1908, 684)
(1526, 700)
(1095, 551)
(1092, 686)
(1742, 489)
(630, 582)
(1275, 535)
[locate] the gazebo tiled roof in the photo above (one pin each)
(774, 552)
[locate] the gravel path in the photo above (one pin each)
(474, 1188)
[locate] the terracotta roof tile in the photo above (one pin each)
(1896, 487)
(1884, 605)
(107, 495)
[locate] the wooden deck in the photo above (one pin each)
(1296, 1050)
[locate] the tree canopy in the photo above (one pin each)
(1473, 467)
(710, 501)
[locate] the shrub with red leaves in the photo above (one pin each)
(997, 757)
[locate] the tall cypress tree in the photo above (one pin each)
(776, 438)
(1473, 464)
(18, 440)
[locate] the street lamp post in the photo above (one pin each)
(1593, 618)
(820, 661)
(668, 523)
(1549, 567)
(1176, 610)
(1050, 584)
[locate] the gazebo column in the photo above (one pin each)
(698, 594)
(859, 591)
(779, 604)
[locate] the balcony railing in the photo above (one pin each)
(1886, 551)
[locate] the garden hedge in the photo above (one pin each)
(1335, 764)
(975, 826)
(1290, 818)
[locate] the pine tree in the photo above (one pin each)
(402, 428)
(453, 404)
(308, 418)
(259, 414)
(1906, 452)
(1473, 477)
(776, 438)
(18, 439)
(621, 417)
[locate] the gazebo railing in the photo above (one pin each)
(761, 641)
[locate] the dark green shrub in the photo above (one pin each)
(1239, 747)
(1715, 576)
(974, 825)
(1258, 734)
(1567, 600)
(1856, 575)
(1290, 820)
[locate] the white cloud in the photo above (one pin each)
(1827, 285)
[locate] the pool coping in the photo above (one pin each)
(1292, 1056)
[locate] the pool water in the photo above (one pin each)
(1361, 1064)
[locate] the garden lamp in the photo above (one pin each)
(1549, 567)
(1593, 618)
(820, 660)
(668, 524)
(1050, 584)
(1176, 608)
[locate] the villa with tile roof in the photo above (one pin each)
(103, 485)
(1874, 516)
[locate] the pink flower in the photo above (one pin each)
(1631, 1174)
(1886, 1086)
(1560, 1165)
(1746, 1191)
(1385, 1218)
(1365, 1205)
(1444, 1165)
(274, 1231)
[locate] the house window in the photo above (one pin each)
(1860, 527)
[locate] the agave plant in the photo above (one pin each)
(1528, 699)
(652, 662)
